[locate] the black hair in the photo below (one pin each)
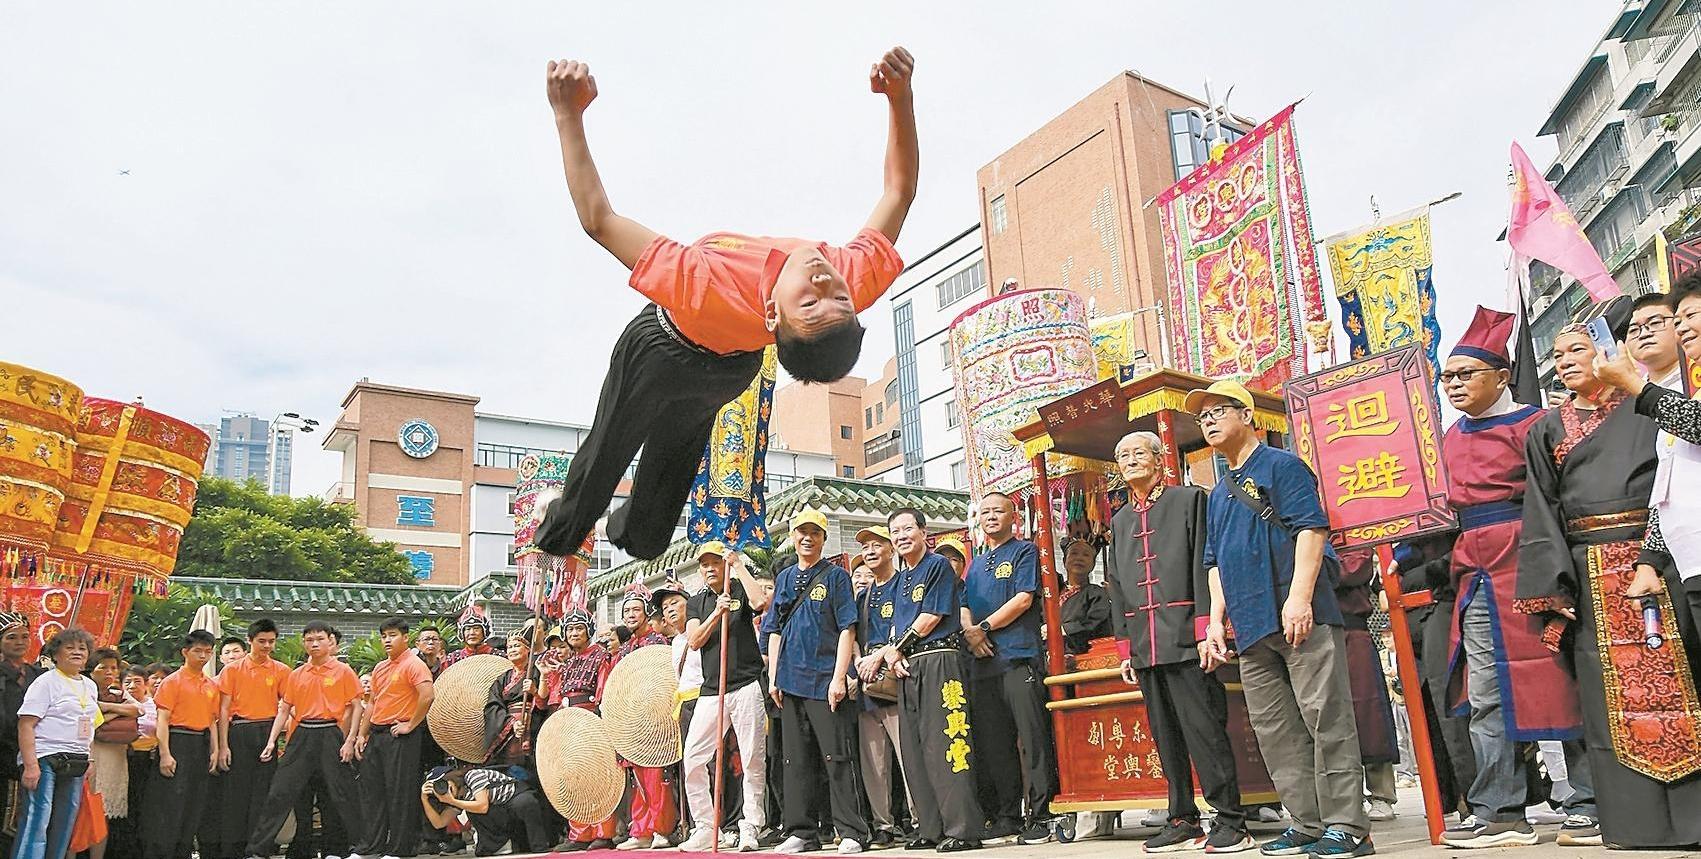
(1648, 299)
(313, 626)
(261, 626)
(136, 671)
(103, 654)
(158, 668)
(1690, 285)
(827, 357)
(920, 520)
(199, 636)
(394, 623)
(233, 639)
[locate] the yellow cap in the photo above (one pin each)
(1224, 388)
(874, 532)
(713, 547)
(809, 516)
(952, 543)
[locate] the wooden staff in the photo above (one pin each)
(1405, 662)
(720, 731)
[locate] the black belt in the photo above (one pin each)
(673, 332)
(267, 721)
(952, 642)
(199, 732)
(385, 728)
(319, 723)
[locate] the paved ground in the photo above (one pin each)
(1405, 836)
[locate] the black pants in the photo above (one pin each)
(662, 394)
(937, 748)
(312, 750)
(519, 820)
(242, 790)
(818, 738)
(1013, 736)
(1188, 711)
(389, 778)
(173, 814)
(331, 837)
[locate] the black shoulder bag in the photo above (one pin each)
(1266, 512)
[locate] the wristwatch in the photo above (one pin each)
(985, 626)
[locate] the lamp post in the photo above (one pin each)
(277, 479)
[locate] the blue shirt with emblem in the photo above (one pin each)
(995, 576)
(929, 587)
(809, 643)
(882, 601)
(1255, 557)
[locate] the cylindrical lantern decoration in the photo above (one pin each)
(38, 422)
(1015, 353)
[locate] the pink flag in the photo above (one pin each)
(1541, 227)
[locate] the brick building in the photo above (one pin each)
(1066, 206)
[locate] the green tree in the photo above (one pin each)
(241, 531)
(155, 629)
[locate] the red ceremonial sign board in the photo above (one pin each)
(1369, 430)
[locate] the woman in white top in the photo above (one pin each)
(56, 724)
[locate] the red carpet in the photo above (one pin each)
(730, 854)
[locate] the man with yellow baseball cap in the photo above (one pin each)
(877, 719)
(1272, 575)
(811, 641)
(735, 600)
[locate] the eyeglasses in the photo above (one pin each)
(1654, 325)
(1216, 413)
(1448, 376)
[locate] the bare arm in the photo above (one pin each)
(572, 89)
(26, 751)
(891, 76)
(439, 815)
(162, 732)
(1297, 619)
(753, 590)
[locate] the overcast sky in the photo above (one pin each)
(317, 193)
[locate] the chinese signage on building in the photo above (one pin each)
(1369, 429)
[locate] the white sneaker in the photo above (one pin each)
(747, 840)
(793, 845)
(701, 841)
(1379, 810)
(849, 845)
(729, 839)
(1266, 814)
(659, 841)
(389, 856)
(633, 843)
(1155, 818)
(1544, 813)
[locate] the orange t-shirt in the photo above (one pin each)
(321, 691)
(192, 697)
(395, 688)
(253, 688)
(716, 289)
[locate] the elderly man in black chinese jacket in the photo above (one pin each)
(1158, 592)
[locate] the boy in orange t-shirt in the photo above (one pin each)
(389, 742)
(321, 705)
(188, 703)
(716, 304)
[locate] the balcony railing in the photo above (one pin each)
(341, 492)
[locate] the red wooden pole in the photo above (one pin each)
(720, 734)
(1172, 452)
(1406, 663)
(1050, 594)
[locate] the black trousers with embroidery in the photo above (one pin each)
(662, 394)
(937, 747)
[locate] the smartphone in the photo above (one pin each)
(1601, 333)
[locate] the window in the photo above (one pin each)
(945, 352)
(1000, 218)
(416, 510)
(504, 455)
(959, 474)
(510, 504)
(868, 418)
(891, 393)
(847, 471)
(513, 555)
(969, 281)
(879, 413)
(952, 420)
(844, 432)
(883, 448)
(1188, 140)
(903, 329)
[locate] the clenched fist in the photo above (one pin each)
(571, 87)
(892, 74)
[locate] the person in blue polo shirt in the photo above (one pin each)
(933, 696)
(811, 634)
(1001, 624)
(1272, 575)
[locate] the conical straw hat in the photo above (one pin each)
(637, 707)
(576, 764)
(456, 717)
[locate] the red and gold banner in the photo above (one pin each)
(1370, 430)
